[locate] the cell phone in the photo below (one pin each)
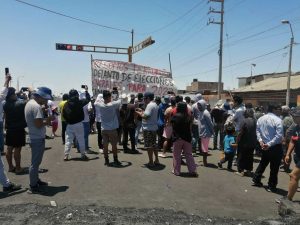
(6, 71)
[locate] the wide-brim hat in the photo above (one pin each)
(44, 93)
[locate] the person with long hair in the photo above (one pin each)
(182, 137)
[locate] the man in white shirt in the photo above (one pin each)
(269, 133)
(109, 126)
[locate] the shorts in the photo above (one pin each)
(168, 130)
(297, 160)
(110, 136)
(149, 139)
(15, 138)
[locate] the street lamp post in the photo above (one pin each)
(288, 88)
(252, 65)
(18, 82)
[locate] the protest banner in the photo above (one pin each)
(129, 78)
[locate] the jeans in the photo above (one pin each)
(273, 156)
(4, 181)
(86, 127)
(37, 151)
(1, 137)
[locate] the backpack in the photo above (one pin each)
(73, 112)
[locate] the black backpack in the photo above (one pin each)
(73, 112)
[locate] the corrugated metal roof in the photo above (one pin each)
(272, 84)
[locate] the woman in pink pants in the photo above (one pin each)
(182, 137)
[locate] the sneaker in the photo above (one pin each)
(220, 165)
(35, 190)
(271, 189)
(66, 158)
(240, 173)
(101, 151)
(162, 155)
(42, 183)
(12, 187)
(257, 184)
(84, 158)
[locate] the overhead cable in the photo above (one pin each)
(73, 18)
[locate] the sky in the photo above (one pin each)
(253, 34)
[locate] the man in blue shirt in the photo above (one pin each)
(161, 120)
(269, 133)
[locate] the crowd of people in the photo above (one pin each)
(168, 123)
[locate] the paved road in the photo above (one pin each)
(215, 192)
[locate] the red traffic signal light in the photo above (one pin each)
(69, 47)
(79, 48)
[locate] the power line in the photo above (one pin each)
(177, 19)
(237, 63)
(73, 18)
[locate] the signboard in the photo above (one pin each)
(129, 78)
(298, 100)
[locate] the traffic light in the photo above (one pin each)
(64, 47)
(147, 42)
(79, 48)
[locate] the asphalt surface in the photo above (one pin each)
(79, 184)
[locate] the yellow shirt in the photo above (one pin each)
(60, 108)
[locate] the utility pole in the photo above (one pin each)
(211, 10)
(130, 47)
(288, 89)
(170, 65)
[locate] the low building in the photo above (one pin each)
(202, 86)
(271, 90)
(245, 81)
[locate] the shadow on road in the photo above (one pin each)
(187, 175)
(157, 167)
(79, 159)
(52, 190)
(5, 194)
(124, 164)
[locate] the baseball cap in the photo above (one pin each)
(44, 93)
